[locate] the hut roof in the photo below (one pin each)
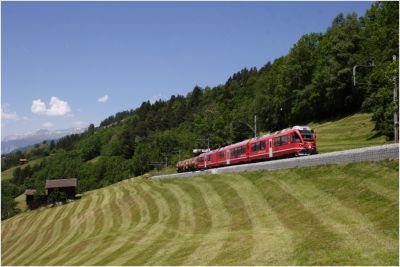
(30, 192)
(61, 183)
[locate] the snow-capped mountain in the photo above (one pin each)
(18, 141)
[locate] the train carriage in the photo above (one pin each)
(294, 141)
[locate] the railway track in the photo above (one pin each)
(390, 151)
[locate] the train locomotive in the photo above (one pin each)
(290, 142)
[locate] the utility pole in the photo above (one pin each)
(254, 129)
(396, 117)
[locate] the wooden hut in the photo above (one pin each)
(68, 186)
(23, 161)
(33, 203)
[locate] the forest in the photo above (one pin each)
(313, 82)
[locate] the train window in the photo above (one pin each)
(220, 155)
(201, 159)
(253, 147)
(256, 146)
(295, 138)
(307, 135)
(243, 150)
(281, 140)
(277, 141)
(209, 157)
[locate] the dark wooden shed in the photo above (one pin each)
(31, 202)
(68, 186)
(29, 198)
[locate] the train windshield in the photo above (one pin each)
(307, 135)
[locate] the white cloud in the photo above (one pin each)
(103, 99)
(79, 123)
(57, 107)
(8, 115)
(38, 107)
(48, 124)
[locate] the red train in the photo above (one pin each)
(290, 142)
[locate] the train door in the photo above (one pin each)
(270, 147)
(228, 157)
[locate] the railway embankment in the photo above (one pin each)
(390, 151)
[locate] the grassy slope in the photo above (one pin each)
(7, 174)
(350, 132)
(325, 215)
(21, 202)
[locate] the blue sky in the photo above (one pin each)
(59, 59)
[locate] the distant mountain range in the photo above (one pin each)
(20, 141)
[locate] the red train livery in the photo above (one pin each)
(290, 142)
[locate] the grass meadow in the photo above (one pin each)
(8, 174)
(353, 131)
(325, 215)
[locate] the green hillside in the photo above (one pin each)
(353, 131)
(326, 215)
(7, 174)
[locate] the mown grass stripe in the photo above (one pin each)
(200, 216)
(268, 233)
(60, 225)
(273, 241)
(129, 202)
(25, 229)
(364, 201)
(185, 226)
(360, 244)
(151, 211)
(13, 227)
(106, 240)
(390, 194)
(156, 228)
(31, 240)
(240, 242)
(83, 243)
(51, 253)
(170, 226)
(314, 243)
(83, 221)
(14, 224)
(213, 242)
(101, 223)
